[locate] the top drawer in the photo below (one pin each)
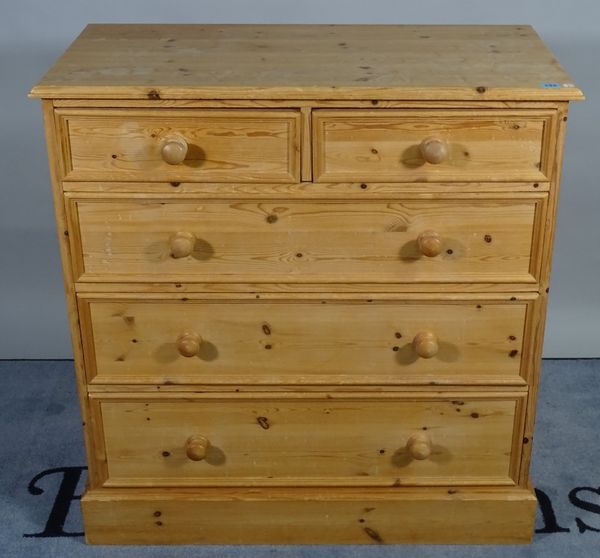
(181, 145)
(430, 146)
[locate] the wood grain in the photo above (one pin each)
(385, 145)
(484, 289)
(306, 190)
(343, 516)
(290, 241)
(222, 146)
(89, 428)
(308, 441)
(535, 332)
(420, 62)
(293, 341)
(303, 103)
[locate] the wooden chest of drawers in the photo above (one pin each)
(307, 270)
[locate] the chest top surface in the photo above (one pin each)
(403, 62)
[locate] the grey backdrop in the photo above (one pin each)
(33, 34)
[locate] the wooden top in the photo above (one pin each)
(401, 62)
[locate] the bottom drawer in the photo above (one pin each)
(317, 439)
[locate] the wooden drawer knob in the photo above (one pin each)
(188, 344)
(430, 243)
(196, 447)
(419, 445)
(174, 150)
(425, 344)
(434, 150)
(182, 244)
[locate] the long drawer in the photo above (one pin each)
(248, 340)
(435, 145)
(434, 240)
(311, 440)
(181, 145)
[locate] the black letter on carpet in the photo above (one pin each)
(584, 505)
(62, 501)
(550, 523)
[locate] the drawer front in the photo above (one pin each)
(310, 440)
(401, 241)
(222, 145)
(306, 341)
(392, 145)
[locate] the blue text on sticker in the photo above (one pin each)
(549, 85)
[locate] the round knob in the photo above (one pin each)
(419, 445)
(425, 344)
(174, 150)
(434, 150)
(196, 447)
(430, 243)
(182, 244)
(188, 344)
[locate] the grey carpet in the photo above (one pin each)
(40, 431)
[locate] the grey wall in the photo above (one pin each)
(32, 34)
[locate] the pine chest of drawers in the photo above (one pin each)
(307, 271)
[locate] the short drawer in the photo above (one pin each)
(311, 440)
(250, 340)
(429, 146)
(181, 145)
(469, 239)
